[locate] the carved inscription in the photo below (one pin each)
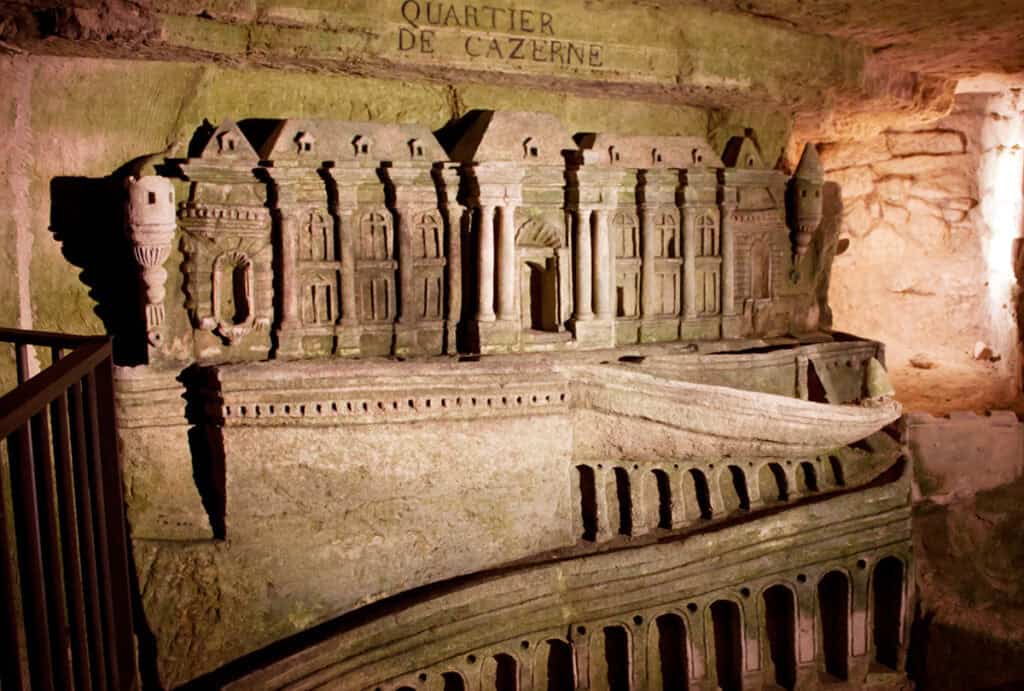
(488, 26)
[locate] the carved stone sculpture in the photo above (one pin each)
(346, 238)
(805, 189)
(151, 225)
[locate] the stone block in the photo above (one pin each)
(921, 165)
(934, 142)
(838, 155)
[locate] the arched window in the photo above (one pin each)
(834, 614)
(453, 681)
(616, 657)
(734, 489)
(725, 619)
(588, 501)
(375, 236)
(672, 673)
(771, 480)
(317, 237)
(626, 231)
(698, 496)
(666, 229)
(807, 478)
(428, 235)
(707, 235)
(887, 589)
(624, 500)
(559, 667)
(780, 630)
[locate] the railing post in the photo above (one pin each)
(30, 558)
(117, 535)
(70, 548)
(87, 534)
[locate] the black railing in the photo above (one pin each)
(65, 587)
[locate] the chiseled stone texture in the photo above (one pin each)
(915, 272)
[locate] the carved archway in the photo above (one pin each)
(540, 248)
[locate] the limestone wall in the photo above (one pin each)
(928, 269)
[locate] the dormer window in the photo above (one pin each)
(363, 146)
(530, 148)
(416, 148)
(227, 142)
(305, 141)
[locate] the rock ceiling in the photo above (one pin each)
(948, 38)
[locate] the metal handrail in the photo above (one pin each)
(66, 595)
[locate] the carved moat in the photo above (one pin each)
(534, 410)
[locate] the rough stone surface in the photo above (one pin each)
(912, 205)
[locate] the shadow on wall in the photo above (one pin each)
(206, 446)
(86, 218)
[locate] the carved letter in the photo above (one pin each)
(545, 24)
(406, 39)
(517, 48)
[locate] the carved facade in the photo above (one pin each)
(711, 515)
(343, 238)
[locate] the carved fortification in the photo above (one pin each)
(664, 472)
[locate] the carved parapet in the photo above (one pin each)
(151, 224)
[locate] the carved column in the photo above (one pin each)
(406, 289)
(728, 260)
(288, 341)
(454, 266)
(603, 282)
(689, 263)
(647, 307)
(151, 226)
(583, 266)
(485, 265)
(347, 230)
(507, 262)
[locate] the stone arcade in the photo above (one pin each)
(658, 376)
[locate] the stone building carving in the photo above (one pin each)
(229, 276)
(346, 238)
(314, 249)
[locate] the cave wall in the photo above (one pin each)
(929, 268)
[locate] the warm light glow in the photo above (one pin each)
(1000, 186)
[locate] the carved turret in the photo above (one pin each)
(151, 223)
(805, 189)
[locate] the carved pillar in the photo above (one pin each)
(347, 231)
(728, 260)
(604, 283)
(647, 308)
(485, 265)
(151, 225)
(689, 263)
(454, 266)
(583, 266)
(406, 290)
(507, 262)
(288, 340)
